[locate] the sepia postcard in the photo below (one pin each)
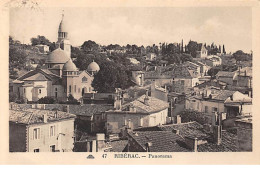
(129, 82)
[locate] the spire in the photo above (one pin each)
(62, 14)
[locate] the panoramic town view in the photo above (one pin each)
(87, 80)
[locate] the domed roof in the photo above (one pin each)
(69, 66)
(93, 67)
(63, 27)
(58, 56)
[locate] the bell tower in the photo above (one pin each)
(63, 37)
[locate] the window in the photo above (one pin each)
(79, 90)
(24, 90)
(89, 89)
(75, 88)
(56, 94)
(214, 109)
(70, 88)
(52, 148)
(84, 79)
(140, 121)
(182, 82)
(40, 91)
(206, 109)
(56, 89)
(36, 150)
(52, 131)
(36, 133)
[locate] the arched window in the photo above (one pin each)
(40, 91)
(84, 79)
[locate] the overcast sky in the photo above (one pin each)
(231, 26)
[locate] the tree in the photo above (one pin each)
(241, 56)
(192, 48)
(111, 76)
(17, 60)
(90, 46)
(40, 40)
(223, 50)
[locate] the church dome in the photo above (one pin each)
(69, 66)
(93, 67)
(63, 27)
(57, 56)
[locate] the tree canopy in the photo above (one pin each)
(40, 40)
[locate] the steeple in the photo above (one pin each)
(63, 40)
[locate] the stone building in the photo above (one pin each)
(59, 77)
(35, 130)
(141, 112)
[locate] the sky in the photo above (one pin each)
(231, 26)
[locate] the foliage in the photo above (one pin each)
(214, 70)
(241, 56)
(40, 40)
(17, 60)
(192, 48)
(189, 115)
(72, 100)
(90, 46)
(47, 100)
(111, 76)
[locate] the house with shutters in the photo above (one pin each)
(142, 112)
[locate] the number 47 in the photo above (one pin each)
(104, 155)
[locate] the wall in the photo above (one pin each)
(61, 142)
(17, 137)
(158, 118)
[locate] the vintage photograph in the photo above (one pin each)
(130, 79)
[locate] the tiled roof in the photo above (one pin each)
(223, 95)
(34, 116)
(228, 144)
(225, 74)
(118, 146)
(214, 83)
(154, 105)
(89, 110)
(191, 129)
(184, 72)
(36, 77)
(161, 141)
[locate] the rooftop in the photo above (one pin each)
(154, 105)
(35, 116)
(89, 109)
(161, 141)
(191, 129)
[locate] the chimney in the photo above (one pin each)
(217, 134)
(214, 118)
(192, 143)
(45, 118)
(100, 141)
(178, 119)
(94, 146)
(56, 114)
(146, 99)
(148, 146)
(117, 103)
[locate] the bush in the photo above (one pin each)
(47, 100)
(72, 100)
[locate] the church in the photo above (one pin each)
(59, 77)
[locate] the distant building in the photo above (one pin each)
(138, 77)
(59, 77)
(226, 76)
(142, 112)
(184, 79)
(43, 48)
(35, 130)
(213, 60)
(151, 56)
(233, 103)
(203, 52)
